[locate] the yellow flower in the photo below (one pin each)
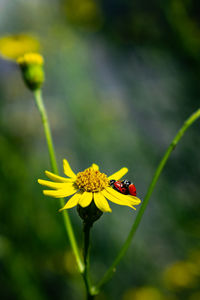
(13, 46)
(180, 275)
(143, 293)
(87, 186)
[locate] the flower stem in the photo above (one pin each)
(68, 225)
(86, 258)
(110, 272)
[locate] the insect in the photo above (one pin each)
(125, 187)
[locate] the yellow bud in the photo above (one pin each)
(31, 65)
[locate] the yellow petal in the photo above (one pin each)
(101, 202)
(60, 193)
(126, 198)
(85, 199)
(119, 174)
(116, 200)
(135, 200)
(57, 178)
(55, 185)
(67, 169)
(73, 201)
(95, 167)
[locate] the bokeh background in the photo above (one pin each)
(121, 77)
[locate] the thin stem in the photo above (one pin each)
(47, 131)
(110, 272)
(68, 225)
(86, 259)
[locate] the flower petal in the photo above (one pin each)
(55, 185)
(125, 198)
(73, 201)
(95, 167)
(119, 174)
(101, 202)
(135, 200)
(85, 199)
(61, 192)
(56, 178)
(67, 169)
(116, 200)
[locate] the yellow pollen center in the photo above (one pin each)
(91, 180)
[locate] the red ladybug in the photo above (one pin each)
(125, 187)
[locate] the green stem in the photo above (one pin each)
(68, 225)
(110, 272)
(86, 259)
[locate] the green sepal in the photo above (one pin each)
(90, 213)
(33, 76)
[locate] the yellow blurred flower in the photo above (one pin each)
(181, 274)
(86, 187)
(70, 263)
(143, 293)
(13, 46)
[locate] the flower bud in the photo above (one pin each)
(31, 65)
(89, 214)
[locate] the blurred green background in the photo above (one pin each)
(121, 77)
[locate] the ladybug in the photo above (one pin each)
(125, 187)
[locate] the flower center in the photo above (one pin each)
(91, 180)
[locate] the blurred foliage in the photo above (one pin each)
(121, 77)
(86, 14)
